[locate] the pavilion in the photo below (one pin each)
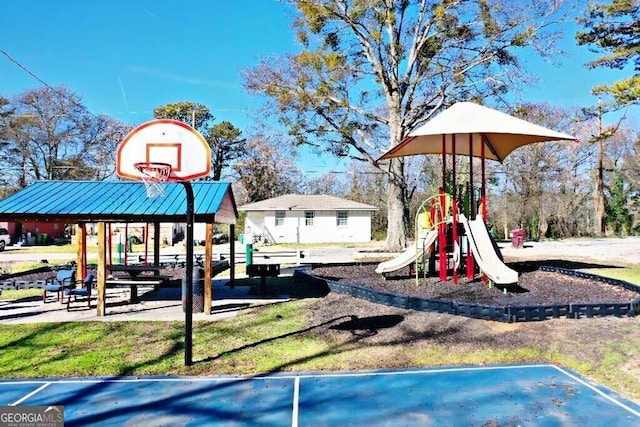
(107, 202)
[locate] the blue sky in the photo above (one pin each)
(125, 58)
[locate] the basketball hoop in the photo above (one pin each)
(155, 176)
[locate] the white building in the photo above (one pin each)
(297, 218)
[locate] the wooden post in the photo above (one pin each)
(102, 271)
(208, 258)
(81, 260)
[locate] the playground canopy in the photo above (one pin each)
(491, 132)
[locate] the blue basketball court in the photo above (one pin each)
(475, 396)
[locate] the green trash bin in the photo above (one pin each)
(241, 239)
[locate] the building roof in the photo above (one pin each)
(304, 202)
(118, 201)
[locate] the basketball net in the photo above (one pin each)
(155, 176)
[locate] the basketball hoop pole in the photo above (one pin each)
(188, 312)
(164, 150)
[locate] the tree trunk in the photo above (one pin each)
(600, 225)
(396, 237)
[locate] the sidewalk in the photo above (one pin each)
(162, 305)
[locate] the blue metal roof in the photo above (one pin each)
(118, 201)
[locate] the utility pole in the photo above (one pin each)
(600, 227)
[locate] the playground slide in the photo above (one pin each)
(485, 253)
(407, 257)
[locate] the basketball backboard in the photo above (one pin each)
(164, 141)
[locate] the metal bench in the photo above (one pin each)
(263, 271)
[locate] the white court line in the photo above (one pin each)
(296, 400)
(285, 376)
(600, 392)
(372, 373)
(25, 397)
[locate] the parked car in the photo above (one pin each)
(5, 238)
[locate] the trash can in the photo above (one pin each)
(517, 238)
(197, 303)
(241, 239)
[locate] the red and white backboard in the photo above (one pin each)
(164, 141)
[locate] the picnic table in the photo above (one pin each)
(135, 277)
(135, 270)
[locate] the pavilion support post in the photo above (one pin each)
(146, 243)
(156, 243)
(126, 242)
(101, 303)
(109, 243)
(208, 273)
(81, 254)
(232, 254)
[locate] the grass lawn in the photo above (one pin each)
(630, 274)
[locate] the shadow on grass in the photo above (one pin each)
(369, 325)
(359, 326)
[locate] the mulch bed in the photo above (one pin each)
(533, 288)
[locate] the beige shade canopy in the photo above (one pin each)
(464, 121)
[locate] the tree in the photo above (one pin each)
(226, 146)
(614, 31)
(51, 135)
(632, 173)
(265, 172)
(543, 187)
(370, 71)
(223, 138)
(327, 183)
(618, 216)
(198, 116)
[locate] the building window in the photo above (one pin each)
(308, 217)
(342, 217)
(280, 218)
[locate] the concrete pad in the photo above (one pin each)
(162, 305)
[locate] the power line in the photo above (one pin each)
(35, 76)
(32, 74)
